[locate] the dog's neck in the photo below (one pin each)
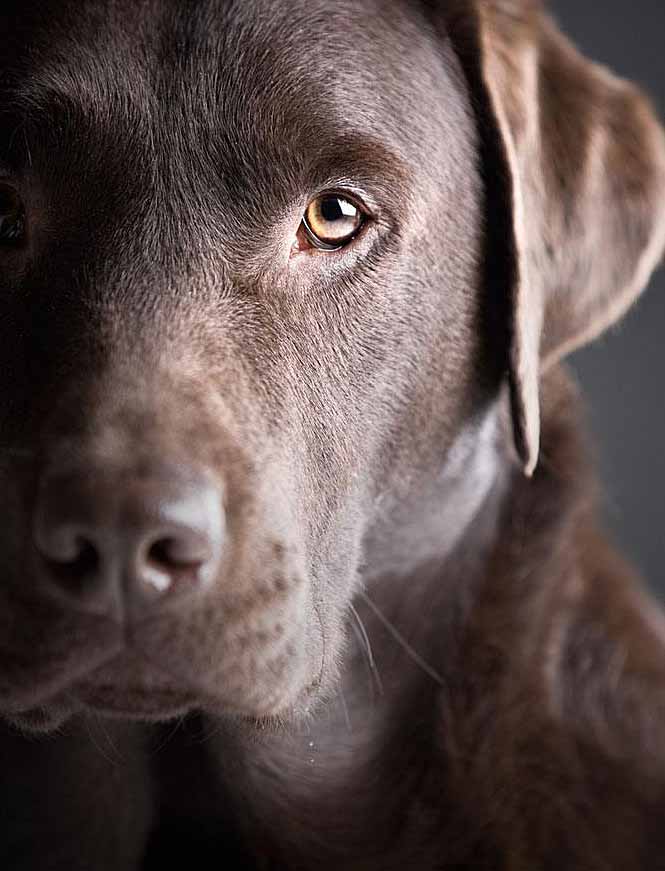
(387, 697)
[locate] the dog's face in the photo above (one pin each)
(236, 265)
(253, 291)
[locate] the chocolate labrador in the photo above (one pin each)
(300, 568)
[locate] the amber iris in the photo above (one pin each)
(331, 221)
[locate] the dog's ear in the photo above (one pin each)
(574, 160)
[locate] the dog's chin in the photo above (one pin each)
(42, 719)
(54, 713)
(151, 707)
(156, 706)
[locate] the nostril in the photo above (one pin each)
(174, 559)
(81, 561)
(160, 554)
(73, 569)
(173, 552)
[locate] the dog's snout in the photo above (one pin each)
(119, 543)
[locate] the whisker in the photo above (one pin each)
(209, 731)
(365, 658)
(363, 638)
(399, 638)
(97, 745)
(345, 709)
(109, 740)
(170, 736)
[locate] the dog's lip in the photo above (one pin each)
(50, 714)
(48, 707)
(62, 689)
(132, 703)
(124, 681)
(35, 697)
(135, 702)
(44, 718)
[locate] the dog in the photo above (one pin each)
(299, 554)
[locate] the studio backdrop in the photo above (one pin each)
(623, 373)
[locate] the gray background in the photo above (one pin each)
(623, 373)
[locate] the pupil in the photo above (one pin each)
(331, 210)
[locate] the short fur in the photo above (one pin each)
(414, 655)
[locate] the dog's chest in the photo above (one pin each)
(327, 799)
(340, 826)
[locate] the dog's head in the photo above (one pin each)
(265, 268)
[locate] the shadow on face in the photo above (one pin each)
(240, 262)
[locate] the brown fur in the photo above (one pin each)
(413, 655)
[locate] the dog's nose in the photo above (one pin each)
(120, 543)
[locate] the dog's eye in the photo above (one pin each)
(331, 221)
(12, 216)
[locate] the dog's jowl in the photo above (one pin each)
(299, 566)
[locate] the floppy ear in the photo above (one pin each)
(575, 158)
